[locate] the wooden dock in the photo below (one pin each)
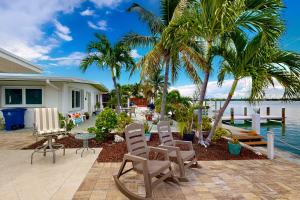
(249, 118)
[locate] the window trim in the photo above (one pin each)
(23, 96)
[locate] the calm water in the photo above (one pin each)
(290, 133)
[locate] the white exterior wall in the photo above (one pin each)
(59, 96)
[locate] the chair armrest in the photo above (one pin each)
(169, 148)
(159, 150)
(134, 158)
(190, 144)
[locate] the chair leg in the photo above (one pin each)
(182, 176)
(148, 185)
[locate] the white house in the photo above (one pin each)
(69, 95)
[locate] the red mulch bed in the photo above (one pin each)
(114, 152)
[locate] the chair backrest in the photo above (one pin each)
(46, 119)
(136, 141)
(165, 133)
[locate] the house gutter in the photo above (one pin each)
(51, 85)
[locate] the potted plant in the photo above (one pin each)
(147, 129)
(186, 123)
(87, 115)
(234, 146)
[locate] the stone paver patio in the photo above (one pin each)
(248, 179)
(16, 139)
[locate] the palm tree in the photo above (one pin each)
(105, 55)
(159, 56)
(205, 21)
(262, 63)
(156, 79)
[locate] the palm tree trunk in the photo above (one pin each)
(201, 100)
(117, 92)
(222, 110)
(165, 91)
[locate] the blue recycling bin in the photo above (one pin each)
(14, 118)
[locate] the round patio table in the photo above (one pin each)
(85, 141)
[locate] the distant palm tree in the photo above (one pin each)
(261, 62)
(159, 56)
(105, 55)
(156, 80)
(205, 22)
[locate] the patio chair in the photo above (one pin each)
(139, 157)
(184, 159)
(46, 124)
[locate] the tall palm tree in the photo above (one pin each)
(261, 62)
(159, 56)
(105, 55)
(206, 21)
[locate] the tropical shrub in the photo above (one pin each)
(123, 121)
(105, 122)
(206, 123)
(62, 120)
(219, 133)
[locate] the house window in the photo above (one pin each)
(13, 96)
(76, 100)
(33, 96)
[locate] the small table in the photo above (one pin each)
(85, 141)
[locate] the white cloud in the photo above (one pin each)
(72, 59)
(101, 25)
(107, 3)
(62, 31)
(87, 12)
(21, 25)
(242, 90)
(134, 54)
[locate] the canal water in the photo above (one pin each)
(287, 137)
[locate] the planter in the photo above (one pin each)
(148, 136)
(189, 137)
(234, 149)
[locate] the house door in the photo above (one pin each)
(88, 94)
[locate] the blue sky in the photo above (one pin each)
(54, 34)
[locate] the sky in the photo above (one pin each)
(54, 35)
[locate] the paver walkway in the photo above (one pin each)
(17, 139)
(253, 179)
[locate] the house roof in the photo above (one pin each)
(10, 63)
(17, 77)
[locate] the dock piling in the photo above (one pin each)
(232, 115)
(270, 145)
(268, 113)
(245, 111)
(283, 115)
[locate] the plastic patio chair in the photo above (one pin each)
(46, 124)
(184, 159)
(139, 157)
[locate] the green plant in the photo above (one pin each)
(123, 121)
(146, 127)
(235, 140)
(2, 124)
(206, 123)
(61, 120)
(97, 105)
(70, 126)
(105, 122)
(219, 133)
(91, 130)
